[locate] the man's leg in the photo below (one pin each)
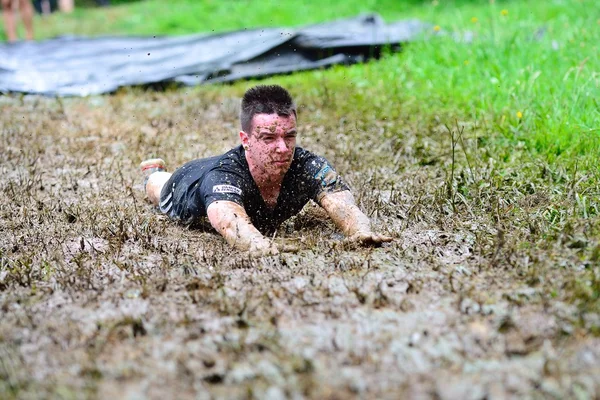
(27, 17)
(66, 6)
(155, 177)
(9, 20)
(178, 190)
(156, 182)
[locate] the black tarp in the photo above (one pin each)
(79, 66)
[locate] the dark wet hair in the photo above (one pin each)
(265, 99)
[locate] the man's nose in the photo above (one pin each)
(281, 145)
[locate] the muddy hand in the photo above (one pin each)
(267, 248)
(262, 248)
(263, 252)
(368, 239)
(288, 248)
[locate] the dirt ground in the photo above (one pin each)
(102, 297)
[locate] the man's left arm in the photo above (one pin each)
(350, 219)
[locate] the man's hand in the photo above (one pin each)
(267, 248)
(368, 239)
(262, 247)
(231, 221)
(351, 220)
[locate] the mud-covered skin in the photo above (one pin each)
(350, 219)
(101, 297)
(269, 151)
(232, 222)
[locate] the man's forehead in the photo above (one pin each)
(273, 121)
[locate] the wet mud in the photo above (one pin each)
(103, 297)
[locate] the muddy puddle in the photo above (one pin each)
(101, 297)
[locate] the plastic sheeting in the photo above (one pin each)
(79, 66)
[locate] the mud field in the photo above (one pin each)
(489, 290)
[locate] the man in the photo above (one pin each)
(249, 191)
(10, 24)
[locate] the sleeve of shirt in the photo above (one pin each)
(222, 185)
(321, 178)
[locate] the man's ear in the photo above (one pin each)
(244, 138)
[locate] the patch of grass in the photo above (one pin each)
(156, 17)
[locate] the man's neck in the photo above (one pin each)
(266, 182)
(269, 186)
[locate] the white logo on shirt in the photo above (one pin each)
(227, 189)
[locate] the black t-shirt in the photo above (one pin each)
(197, 184)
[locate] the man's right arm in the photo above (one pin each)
(232, 222)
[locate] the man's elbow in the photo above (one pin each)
(225, 216)
(217, 214)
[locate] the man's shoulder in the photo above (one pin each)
(228, 175)
(236, 154)
(302, 155)
(232, 161)
(308, 160)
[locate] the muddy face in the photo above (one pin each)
(270, 146)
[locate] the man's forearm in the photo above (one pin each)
(345, 213)
(232, 222)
